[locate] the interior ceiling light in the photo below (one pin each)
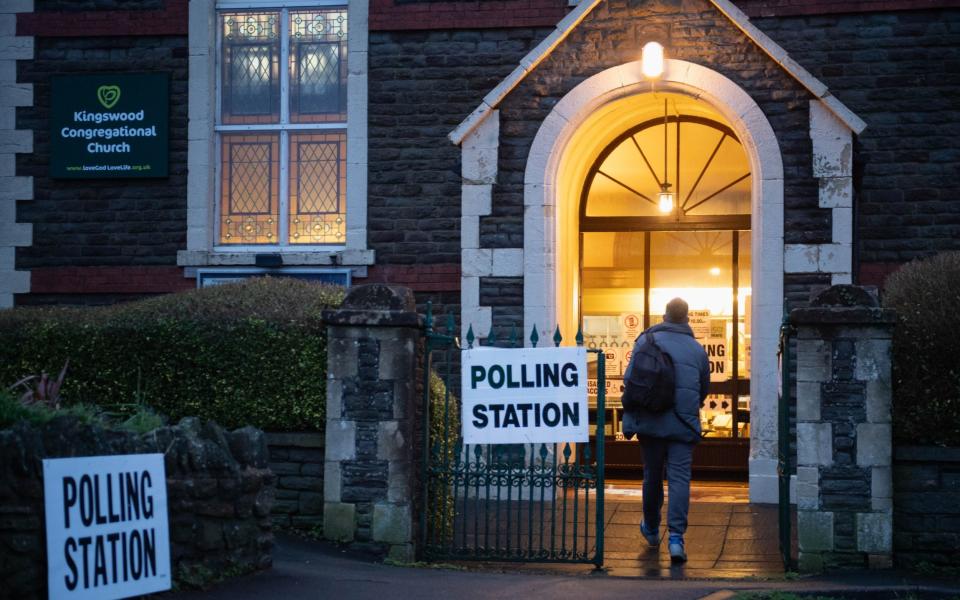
(665, 196)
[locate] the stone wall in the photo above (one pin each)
(896, 70)
(219, 495)
(844, 489)
(374, 395)
(118, 222)
(926, 511)
(692, 30)
(297, 461)
(422, 84)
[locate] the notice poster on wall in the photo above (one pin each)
(631, 324)
(109, 125)
(716, 349)
(700, 323)
(106, 519)
(524, 395)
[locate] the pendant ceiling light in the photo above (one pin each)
(665, 196)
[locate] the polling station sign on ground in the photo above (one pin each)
(524, 395)
(107, 533)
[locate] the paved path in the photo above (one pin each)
(305, 570)
(732, 545)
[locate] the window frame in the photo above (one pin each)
(283, 128)
(201, 248)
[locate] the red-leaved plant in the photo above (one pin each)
(40, 389)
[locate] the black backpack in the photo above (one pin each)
(649, 381)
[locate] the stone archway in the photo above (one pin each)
(545, 218)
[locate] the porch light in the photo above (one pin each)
(652, 60)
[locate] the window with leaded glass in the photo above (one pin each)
(282, 126)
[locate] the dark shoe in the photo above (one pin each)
(677, 553)
(653, 538)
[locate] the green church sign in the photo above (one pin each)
(109, 126)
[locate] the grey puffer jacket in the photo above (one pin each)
(692, 372)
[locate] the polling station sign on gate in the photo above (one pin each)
(524, 395)
(107, 533)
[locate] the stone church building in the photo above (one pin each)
(521, 163)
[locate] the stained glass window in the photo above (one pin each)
(283, 130)
(318, 66)
(249, 211)
(251, 78)
(317, 188)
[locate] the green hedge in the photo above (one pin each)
(248, 353)
(444, 433)
(926, 350)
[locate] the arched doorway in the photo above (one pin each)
(585, 120)
(664, 212)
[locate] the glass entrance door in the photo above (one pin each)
(665, 213)
(627, 280)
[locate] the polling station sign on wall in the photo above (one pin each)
(106, 518)
(524, 395)
(109, 126)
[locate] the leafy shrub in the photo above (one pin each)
(444, 433)
(246, 353)
(926, 347)
(13, 410)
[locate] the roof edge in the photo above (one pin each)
(527, 64)
(566, 25)
(776, 52)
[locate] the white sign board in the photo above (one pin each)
(524, 395)
(107, 534)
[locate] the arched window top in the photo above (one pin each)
(700, 160)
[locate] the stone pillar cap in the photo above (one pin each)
(843, 305)
(376, 305)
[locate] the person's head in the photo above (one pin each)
(676, 311)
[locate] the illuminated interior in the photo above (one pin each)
(663, 212)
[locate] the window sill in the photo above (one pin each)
(248, 257)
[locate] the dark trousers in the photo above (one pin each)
(676, 458)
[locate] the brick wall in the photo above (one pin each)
(393, 15)
(89, 18)
(897, 71)
(405, 15)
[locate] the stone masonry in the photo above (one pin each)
(219, 495)
(926, 486)
(844, 479)
(115, 222)
(369, 471)
(296, 458)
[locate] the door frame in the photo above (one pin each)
(542, 201)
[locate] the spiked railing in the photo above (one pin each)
(511, 502)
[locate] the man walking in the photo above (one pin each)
(668, 437)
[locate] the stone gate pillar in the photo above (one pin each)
(844, 489)
(369, 470)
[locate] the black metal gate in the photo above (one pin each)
(504, 502)
(783, 444)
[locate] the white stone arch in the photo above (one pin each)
(748, 121)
